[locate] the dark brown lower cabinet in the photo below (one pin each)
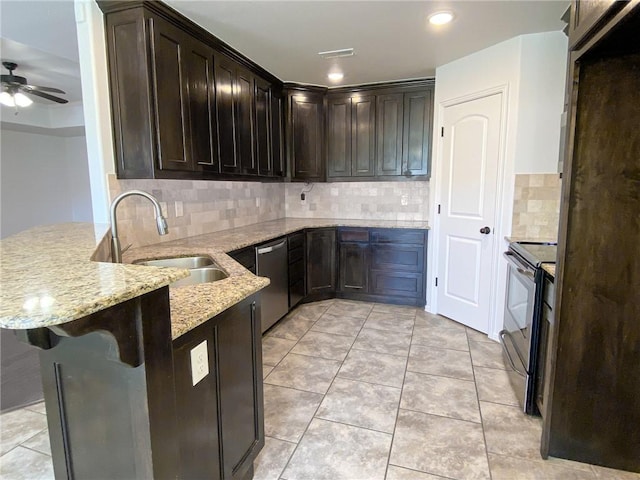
(321, 262)
(221, 418)
(353, 247)
(296, 268)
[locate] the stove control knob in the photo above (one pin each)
(485, 230)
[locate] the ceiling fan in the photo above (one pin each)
(15, 87)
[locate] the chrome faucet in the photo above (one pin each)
(161, 222)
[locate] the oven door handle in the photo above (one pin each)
(502, 334)
(526, 273)
(521, 268)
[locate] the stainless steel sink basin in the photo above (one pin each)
(179, 262)
(201, 275)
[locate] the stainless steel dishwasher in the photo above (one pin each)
(271, 262)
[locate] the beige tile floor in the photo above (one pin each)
(356, 390)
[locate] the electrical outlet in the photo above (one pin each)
(257, 201)
(404, 200)
(179, 209)
(163, 207)
(199, 362)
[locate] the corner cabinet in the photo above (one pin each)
(221, 417)
(380, 133)
(321, 263)
(305, 134)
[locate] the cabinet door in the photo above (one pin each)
(417, 128)
(226, 115)
(321, 260)
(586, 15)
(354, 267)
(389, 134)
(363, 136)
(238, 342)
(262, 124)
(339, 137)
(171, 102)
(306, 137)
(245, 121)
(202, 118)
(277, 134)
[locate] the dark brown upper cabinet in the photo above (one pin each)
(339, 136)
(278, 160)
(417, 133)
(263, 127)
(390, 109)
(306, 134)
(588, 16)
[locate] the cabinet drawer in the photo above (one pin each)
(353, 235)
(296, 240)
(399, 284)
(549, 293)
(413, 237)
(404, 258)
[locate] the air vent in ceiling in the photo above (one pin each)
(343, 52)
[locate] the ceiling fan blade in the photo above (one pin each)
(43, 89)
(44, 95)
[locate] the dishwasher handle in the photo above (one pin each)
(271, 248)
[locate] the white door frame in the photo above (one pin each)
(501, 225)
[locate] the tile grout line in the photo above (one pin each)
(319, 404)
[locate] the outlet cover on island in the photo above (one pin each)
(199, 362)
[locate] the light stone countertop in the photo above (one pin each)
(550, 268)
(47, 277)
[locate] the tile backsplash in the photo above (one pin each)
(206, 207)
(211, 206)
(536, 206)
(359, 200)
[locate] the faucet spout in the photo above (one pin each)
(161, 222)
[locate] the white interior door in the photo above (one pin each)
(471, 152)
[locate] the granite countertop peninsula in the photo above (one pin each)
(194, 304)
(47, 277)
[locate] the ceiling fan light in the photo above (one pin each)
(22, 100)
(7, 99)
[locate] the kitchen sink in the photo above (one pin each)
(179, 262)
(201, 275)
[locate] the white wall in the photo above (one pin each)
(44, 179)
(531, 70)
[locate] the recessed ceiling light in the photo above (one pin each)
(440, 18)
(336, 76)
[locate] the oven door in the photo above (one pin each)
(519, 310)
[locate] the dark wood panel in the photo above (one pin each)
(397, 283)
(226, 115)
(321, 260)
(277, 133)
(354, 267)
(202, 116)
(353, 235)
(417, 132)
(339, 137)
(296, 240)
(197, 407)
(587, 16)
(596, 368)
(306, 135)
(406, 258)
(262, 126)
(130, 85)
(363, 136)
(245, 145)
(389, 118)
(412, 237)
(245, 257)
(170, 88)
(240, 382)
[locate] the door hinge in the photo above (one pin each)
(438, 209)
(442, 131)
(436, 281)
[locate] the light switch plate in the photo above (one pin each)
(199, 362)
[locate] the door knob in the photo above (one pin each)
(485, 230)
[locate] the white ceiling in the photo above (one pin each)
(392, 39)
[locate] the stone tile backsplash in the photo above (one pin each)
(536, 206)
(211, 206)
(206, 207)
(359, 200)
